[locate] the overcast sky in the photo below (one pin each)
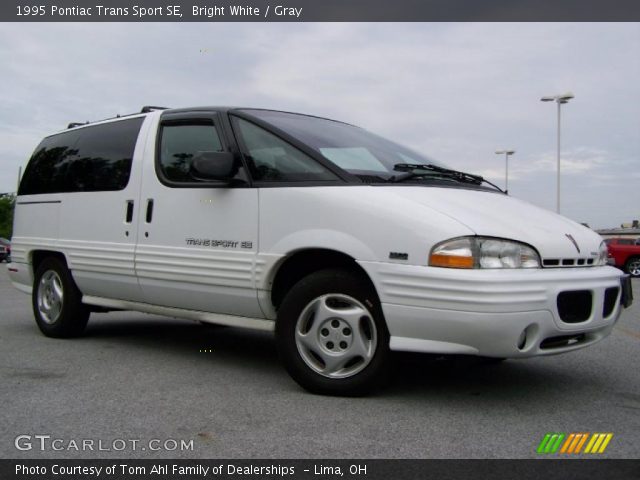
(456, 92)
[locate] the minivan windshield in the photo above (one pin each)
(351, 148)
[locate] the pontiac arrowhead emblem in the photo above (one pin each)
(575, 244)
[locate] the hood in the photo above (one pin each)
(498, 215)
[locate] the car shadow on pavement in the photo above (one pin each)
(183, 339)
(520, 382)
(411, 374)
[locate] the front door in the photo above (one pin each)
(197, 240)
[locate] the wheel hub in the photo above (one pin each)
(335, 335)
(50, 297)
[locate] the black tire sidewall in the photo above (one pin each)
(73, 315)
(309, 288)
(627, 266)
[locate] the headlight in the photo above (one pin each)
(482, 252)
(603, 253)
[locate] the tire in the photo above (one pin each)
(56, 301)
(331, 334)
(632, 267)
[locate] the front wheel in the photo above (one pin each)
(633, 267)
(331, 334)
(57, 302)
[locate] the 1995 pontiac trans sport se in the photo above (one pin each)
(345, 244)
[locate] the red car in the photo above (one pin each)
(625, 253)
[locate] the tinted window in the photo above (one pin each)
(104, 156)
(180, 142)
(47, 169)
(89, 159)
(272, 159)
(625, 241)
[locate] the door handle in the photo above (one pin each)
(149, 215)
(129, 214)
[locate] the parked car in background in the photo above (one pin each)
(625, 253)
(5, 250)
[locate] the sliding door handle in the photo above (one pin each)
(129, 214)
(149, 215)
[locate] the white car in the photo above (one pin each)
(345, 244)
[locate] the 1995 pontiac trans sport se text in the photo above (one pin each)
(143, 12)
(345, 244)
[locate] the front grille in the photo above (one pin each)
(567, 262)
(562, 341)
(610, 298)
(575, 306)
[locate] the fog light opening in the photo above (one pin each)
(522, 340)
(527, 337)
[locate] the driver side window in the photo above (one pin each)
(179, 142)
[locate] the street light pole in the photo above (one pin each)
(506, 167)
(559, 99)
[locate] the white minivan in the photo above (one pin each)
(345, 244)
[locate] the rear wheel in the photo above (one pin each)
(633, 266)
(56, 300)
(331, 334)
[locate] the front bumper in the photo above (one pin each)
(495, 313)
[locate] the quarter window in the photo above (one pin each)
(47, 168)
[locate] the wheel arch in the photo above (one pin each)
(298, 264)
(36, 257)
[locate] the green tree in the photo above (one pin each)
(7, 203)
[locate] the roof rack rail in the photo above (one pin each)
(76, 124)
(145, 109)
(151, 108)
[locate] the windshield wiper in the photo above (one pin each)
(410, 170)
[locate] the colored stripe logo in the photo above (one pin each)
(573, 443)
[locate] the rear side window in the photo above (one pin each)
(90, 159)
(47, 169)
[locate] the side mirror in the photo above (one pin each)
(212, 166)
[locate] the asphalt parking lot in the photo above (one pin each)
(142, 377)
